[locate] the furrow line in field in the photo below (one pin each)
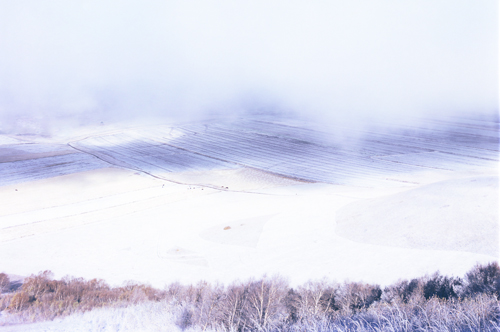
(418, 129)
(351, 153)
(171, 164)
(123, 159)
(469, 125)
(237, 130)
(260, 143)
(133, 145)
(37, 171)
(295, 162)
(460, 141)
(433, 145)
(52, 161)
(386, 138)
(252, 162)
(294, 151)
(273, 151)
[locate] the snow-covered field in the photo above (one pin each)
(225, 200)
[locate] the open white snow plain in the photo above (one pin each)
(231, 199)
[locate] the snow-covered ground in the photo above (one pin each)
(225, 200)
(150, 316)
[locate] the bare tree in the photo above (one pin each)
(233, 306)
(317, 299)
(266, 305)
(353, 296)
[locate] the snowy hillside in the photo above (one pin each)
(223, 200)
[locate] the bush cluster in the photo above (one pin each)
(42, 298)
(430, 303)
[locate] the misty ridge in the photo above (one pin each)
(69, 64)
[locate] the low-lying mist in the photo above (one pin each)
(72, 63)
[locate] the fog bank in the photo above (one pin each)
(111, 60)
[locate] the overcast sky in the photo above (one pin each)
(119, 59)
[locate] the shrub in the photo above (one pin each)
(403, 291)
(441, 287)
(185, 319)
(42, 298)
(292, 304)
(483, 279)
(355, 296)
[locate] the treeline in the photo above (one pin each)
(430, 303)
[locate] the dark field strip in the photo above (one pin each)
(303, 151)
(437, 129)
(429, 146)
(150, 158)
(450, 136)
(260, 155)
(42, 168)
(307, 153)
(485, 147)
(381, 143)
(282, 149)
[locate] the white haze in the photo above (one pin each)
(109, 60)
